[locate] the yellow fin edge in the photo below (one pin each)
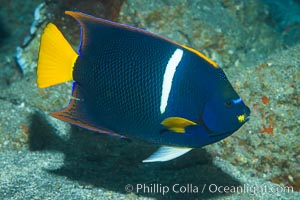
(201, 55)
(56, 58)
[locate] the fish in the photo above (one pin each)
(131, 83)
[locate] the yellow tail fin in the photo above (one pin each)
(56, 58)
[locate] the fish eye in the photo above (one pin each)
(228, 104)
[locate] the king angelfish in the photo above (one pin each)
(132, 83)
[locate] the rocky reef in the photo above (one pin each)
(257, 43)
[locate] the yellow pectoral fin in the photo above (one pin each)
(177, 124)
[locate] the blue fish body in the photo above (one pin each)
(136, 84)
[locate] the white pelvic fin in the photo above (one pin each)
(166, 153)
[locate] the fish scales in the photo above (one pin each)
(129, 82)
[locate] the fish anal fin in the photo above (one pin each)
(66, 115)
(166, 153)
(76, 114)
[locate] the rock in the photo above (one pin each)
(43, 158)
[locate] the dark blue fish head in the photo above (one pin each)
(224, 111)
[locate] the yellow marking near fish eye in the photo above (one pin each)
(202, 56)
(241, 118)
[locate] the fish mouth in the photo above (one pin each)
(214, 134)
(247, 118)
(247, 112)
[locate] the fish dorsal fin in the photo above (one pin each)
(95, 30)
(76, 114)
(87, 24)
(166, 153)
(177, 124)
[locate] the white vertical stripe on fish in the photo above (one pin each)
(168, 78)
